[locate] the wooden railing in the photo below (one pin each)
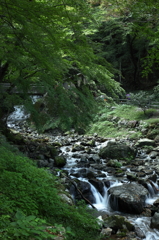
(150, 104)
(6, 87)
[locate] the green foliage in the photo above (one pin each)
(117, 164)
(106, 121)
(128, 112)
(33, 191)
(121, 44)
(149, 148)
(25, 227)
(127, 36)
(46, 48)
(142, 99)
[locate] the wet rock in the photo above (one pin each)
(131, 176)
(145, 142)
(156, 139)
(106, 183)
(128, 198)
(101, 175)
(113, 163)
(106, 232)
(94, 158)
(53, 151)
(139, 232)
(141, 174)
(119, 174)
(147, 212)
(77, 148)
(117, 222)
(51, 163)
(118, 151)
(155, 221)
(153, 177)
(91, 143)
(59, 161)
(98, 185)
(42, 163)
(76, 155)
(148, 171)
(156, 203)
(82, 189)
(84, 158)
(153, 154)
(156, 168)
(90, 174)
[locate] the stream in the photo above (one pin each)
(75, 166)
(102, 202)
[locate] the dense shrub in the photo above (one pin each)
(32, 191)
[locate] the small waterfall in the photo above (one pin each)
(151, 189)
(153, 194)
(102, 202)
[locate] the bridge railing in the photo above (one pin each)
(34, 90)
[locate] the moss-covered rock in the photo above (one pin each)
(53, 151)
(118, 151)
(60, 161)
(117, 222)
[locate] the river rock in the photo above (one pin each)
(145, 142)
(99, 185)
(129, 198)
(59, 161)
(120, 151)
(117, 222)
(77, 147)
(155, 221)
(82, 191)
(66, 198)
(106, 232)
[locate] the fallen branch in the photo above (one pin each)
(86, 200)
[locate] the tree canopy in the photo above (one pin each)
(44, 43)
(128, 37)
(69, 48)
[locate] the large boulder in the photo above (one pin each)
(129, 198)
(118, 151)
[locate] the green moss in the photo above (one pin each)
(60, 161)
(105, 122)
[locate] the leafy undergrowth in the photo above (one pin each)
(104, 126)
(29, 203)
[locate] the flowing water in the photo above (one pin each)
(103, 205)
(101, 201)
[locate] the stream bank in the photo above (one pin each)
(88, 174)
(79, 159)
